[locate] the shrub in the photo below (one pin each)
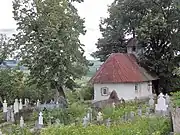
(143, 126)
(176, 99)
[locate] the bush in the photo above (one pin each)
(176, 99)
(143, 126)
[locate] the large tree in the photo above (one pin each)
(156, 25)
(48, 42)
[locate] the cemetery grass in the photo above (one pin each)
(141, 126)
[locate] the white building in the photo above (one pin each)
(121, 72)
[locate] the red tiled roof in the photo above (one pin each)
(121, 68)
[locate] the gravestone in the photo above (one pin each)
(147, 111)
(85, 121)
(161, 106)
(139, 111)
(1, 132)
(8, 115)
(12, 117)
(99, 117)
(58, 122)
(89, 114)
(5, 110)
(16, 106)
(151, 102)
(40, 120)
(38, 103)
(125, 116)
(167, 99)
(132, 115)
(20, 104)
(108, 122)
(25, 102)
(21, 122)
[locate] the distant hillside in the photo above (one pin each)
(92, 69)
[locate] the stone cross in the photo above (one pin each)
(16, 106)
(20, 104)
(21, 122)
(25, 102)
(5, 110)
(85, 121)
(38, 103)
(161, 104)
(5, 107)
(40, 121)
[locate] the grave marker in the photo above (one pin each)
(108, 122)
(40, 120)
(85, 121)
(20, 104)
(5, 110)
(161, 104)
(21, 122)
(16, 106)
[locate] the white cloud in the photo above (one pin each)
(91, 10)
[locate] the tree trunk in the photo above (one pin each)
(61, 91)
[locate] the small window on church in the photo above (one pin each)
(104, 91)
(136, 88)
(133, 48)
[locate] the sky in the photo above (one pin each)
(90, 10)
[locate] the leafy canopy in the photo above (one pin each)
(47, 41)
(156, 25)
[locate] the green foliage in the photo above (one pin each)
(4, 47)
(156, 26)
(11, 84)
(116, 113)
(16, 130)
(176, 99)
(143, 126)
(48, 42)
(14, 84)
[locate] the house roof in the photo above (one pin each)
(121, 68)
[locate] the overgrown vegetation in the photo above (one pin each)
(142, 126)
(176, 99)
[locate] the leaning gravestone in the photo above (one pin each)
(161, 106)
(5, 110)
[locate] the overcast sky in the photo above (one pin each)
(91, 10)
